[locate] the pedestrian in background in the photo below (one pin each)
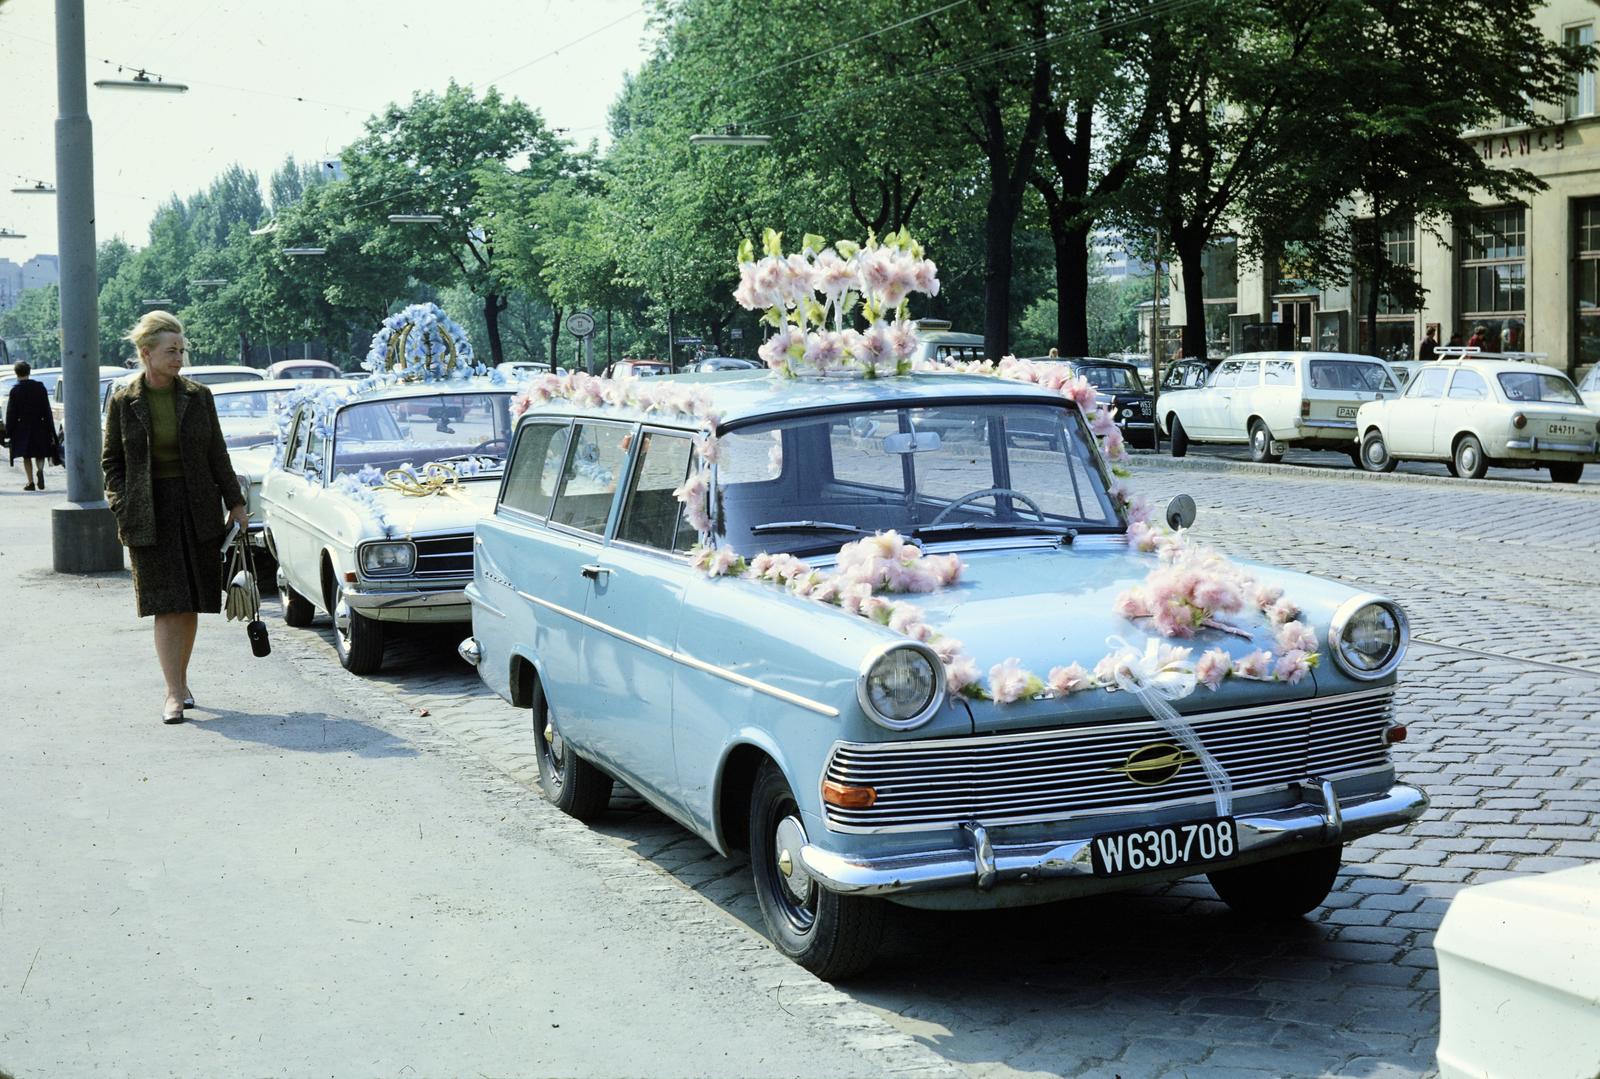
(1430, 345)
(30, 428)
(168, 478)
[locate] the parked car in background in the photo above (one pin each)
(1406, 370)
(304, 368)
(1589, 388)
(349, 517)
(937, 342)
(638, 369)
(1480, 412)
(1272, 400)
(1117, 386)
(833, 747)
(726, 363)
(518, 368)
(251, 415)
(217, 374)
(58, 401)
(1186, 374)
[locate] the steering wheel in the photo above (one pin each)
(494, 447)
(986, 493)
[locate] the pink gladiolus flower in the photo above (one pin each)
(925, 277)
(854, 596)
(832, 275)
(1080, 393)
(1212, 667)
(898, 285)
(760, 566)
(946, 569)
(875, 608)
(1296, 636)
(960, 673)
(904, 617)
(1254, 665)
(520, 403)
(1113, 445)
(824, 350)
(1069, 679)
(826, 590)
(1265, 596)
(1101, 423)
(1105, 672)
(1141, 537)
(948, 648)
(721, 561)
(903, 339)
(1217, 595)
(1292, 666)
(1131, 605)
(1281, 612)
(873, 269)
(1007, 680)
(799, 274)
(775, 349)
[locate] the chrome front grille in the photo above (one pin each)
(1053, 774)
(444, 556)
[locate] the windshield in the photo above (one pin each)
(249, 419)
(1112, 379)
(1350, 375)
(1537, 386)
(467, 430)
(936, 472)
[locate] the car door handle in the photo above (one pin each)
(594, 572)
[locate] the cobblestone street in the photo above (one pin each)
(1502, 698)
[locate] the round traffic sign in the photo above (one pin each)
(580, 324)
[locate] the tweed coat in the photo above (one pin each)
(128, 452)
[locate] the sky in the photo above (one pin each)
(245, 64)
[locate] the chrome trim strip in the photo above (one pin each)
(686, 659)
(1535, 445)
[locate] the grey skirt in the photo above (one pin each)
(179, 573)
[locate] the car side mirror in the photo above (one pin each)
(1180, 512)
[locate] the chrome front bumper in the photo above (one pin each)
(982, 864)
(434, 605)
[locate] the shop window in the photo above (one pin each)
(1493, 282)
(1581, 94)
(1586, 314)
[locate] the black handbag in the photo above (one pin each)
(244, 597)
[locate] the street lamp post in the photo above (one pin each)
(83, 533)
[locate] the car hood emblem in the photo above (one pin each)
(1155, 764)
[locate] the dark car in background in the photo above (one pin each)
(1116, 384)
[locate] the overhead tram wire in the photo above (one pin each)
(642, 9)
(1049, 41)
(764, 72)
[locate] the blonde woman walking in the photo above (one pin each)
(173, 490)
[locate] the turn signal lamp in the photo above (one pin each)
(1395, 732)
(847, 797)
(1519, 421)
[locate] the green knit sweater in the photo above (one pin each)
(165, 461)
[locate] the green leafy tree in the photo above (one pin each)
(32, 329)
(428, 157)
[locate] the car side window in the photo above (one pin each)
(315, 445)
(535, 467)
(589, 480)
(1249, 374)
(1227, 375)
(295, 457)
(1469, 386)
(652, 515)
(1280, 373)
(1429, 384)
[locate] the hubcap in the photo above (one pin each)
(1469, 458)
(787, 841)
(341, 618)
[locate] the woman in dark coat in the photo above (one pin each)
(168, 478)
(29, 426)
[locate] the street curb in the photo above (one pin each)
(1308, 472)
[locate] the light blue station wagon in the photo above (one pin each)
(827, 744)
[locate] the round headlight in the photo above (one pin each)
(901, 686)
(388, 559)
(1368, 637)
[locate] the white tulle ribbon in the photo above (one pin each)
(1156, 676)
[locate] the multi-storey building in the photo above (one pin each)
(1531, 282)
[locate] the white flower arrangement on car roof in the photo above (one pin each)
(807, 297)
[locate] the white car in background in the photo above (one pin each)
(1481, 411)
(1589, 388)
(370, 506)
(218, 374)
(1272, 400)
(302, 369)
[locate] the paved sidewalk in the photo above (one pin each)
(305, 880)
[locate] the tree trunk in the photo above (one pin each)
(555, 335)
(1188, 247)
(493, 304)
(1376, 261)
(1072, 287)
(999, 227)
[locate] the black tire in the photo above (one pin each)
(567, 781)
(1374, 453)
(1470, 462)
(1179, 437)
(1261, 444)
(297, 610)
(1281, 888)
(359, 641)
(1566, 471)
(831, 935)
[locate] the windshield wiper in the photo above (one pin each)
(806, 526)
(1012, 528)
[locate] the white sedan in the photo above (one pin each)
(1474, 413)
(1270, 400)
(371, 504)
